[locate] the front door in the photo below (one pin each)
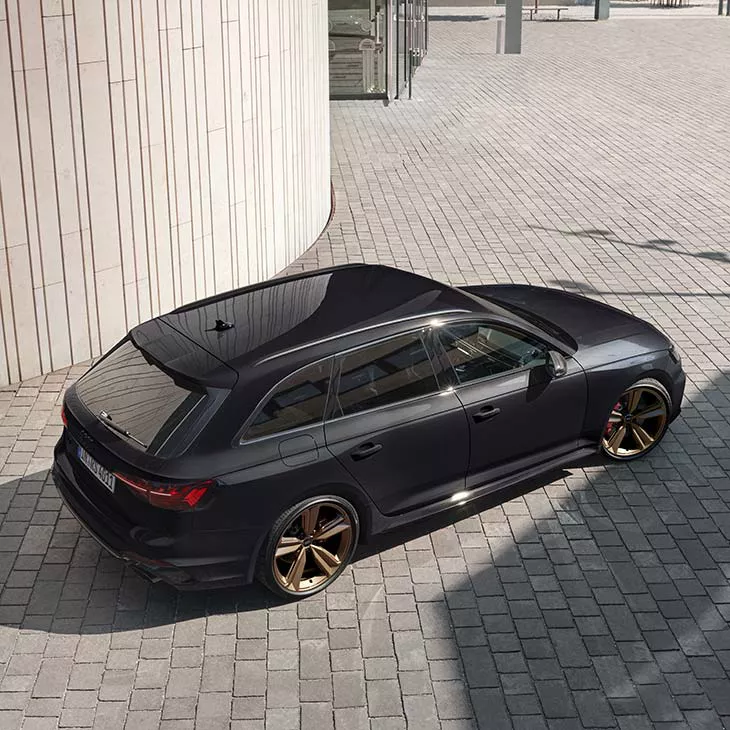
(518, 415)
(393, 428)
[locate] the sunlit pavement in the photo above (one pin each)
(598, 161)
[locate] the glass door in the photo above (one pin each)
(357, 48)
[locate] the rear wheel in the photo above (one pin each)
(638, 421)
(309, 546)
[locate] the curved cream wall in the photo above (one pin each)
(152, 152)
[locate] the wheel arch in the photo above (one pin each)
(605, 386)
(354, 495)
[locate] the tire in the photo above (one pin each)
(644, 413)
(294, 562)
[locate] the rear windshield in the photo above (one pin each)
(135, 396)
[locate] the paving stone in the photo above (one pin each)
(381, 668)
(421, 712)
(659, 703)
(384, 698)
(555, 698)
(490, 710)
(594, 709)
(349, 689)
(282, 689)
(351, 719)
(317, 715)
(249, 678)
(452, 700)
(283, 719)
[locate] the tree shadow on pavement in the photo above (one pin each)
(584, 288)
(664, 245)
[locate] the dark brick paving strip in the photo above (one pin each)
(599, 162)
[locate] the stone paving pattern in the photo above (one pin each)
(598, 161)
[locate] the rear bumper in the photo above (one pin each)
(180, 568)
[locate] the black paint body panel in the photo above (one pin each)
(433, 451)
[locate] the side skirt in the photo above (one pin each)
(381, 523)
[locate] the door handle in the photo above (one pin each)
(484, 414)
(362, 452)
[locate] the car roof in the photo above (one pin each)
(288, 314)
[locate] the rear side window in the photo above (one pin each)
(298, 401)
(137, 397)
(384, 373)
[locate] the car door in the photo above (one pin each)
(518, 414)
(402, 436)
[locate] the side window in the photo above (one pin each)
(479, 350)
(385, 373)
(299, 401)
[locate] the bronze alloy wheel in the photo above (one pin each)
(637, 422)
(314, 546)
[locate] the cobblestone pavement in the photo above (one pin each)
(598, 161)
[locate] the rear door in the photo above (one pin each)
(394, 428)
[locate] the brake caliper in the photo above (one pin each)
(610, 426)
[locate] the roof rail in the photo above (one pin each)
(348, 333)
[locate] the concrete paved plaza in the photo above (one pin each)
(598, 161)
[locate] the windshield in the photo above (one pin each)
(131, 395)
(534, 319)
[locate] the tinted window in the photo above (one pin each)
(298, 401)
(138, 396)
(385, 373)
(478, 350)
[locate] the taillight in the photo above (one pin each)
(178, 497)
(63, 416)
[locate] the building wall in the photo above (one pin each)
(152, 152)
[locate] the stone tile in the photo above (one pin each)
(349, 689)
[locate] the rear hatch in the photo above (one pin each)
(132, 418)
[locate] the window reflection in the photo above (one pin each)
(479, 350)
(137, 395)
(299, 401)
(357, 47)
(386, 373)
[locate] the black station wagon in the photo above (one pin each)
(265, 432)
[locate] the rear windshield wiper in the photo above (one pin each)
(106, 417)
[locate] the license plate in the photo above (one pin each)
(103, 475)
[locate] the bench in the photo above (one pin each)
(557, 8)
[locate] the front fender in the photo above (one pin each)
(607, 382)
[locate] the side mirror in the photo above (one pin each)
(556, 364)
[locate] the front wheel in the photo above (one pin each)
(638, 421)
(309, 546)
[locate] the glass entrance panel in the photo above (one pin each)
(357, 31)
(410, 31)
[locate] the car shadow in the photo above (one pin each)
(424, 527)
(79, 588)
